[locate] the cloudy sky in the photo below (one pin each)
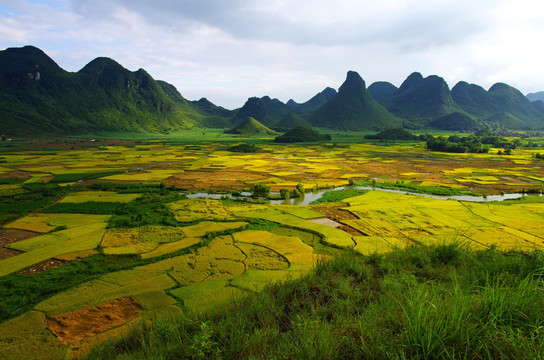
(229, 50)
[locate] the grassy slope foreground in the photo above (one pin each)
(438, 302)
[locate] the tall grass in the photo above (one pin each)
(439, 302)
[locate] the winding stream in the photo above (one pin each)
(317, 194)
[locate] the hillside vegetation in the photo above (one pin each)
(251, 127)
(353, 108)
(37, 97)
(420, 100)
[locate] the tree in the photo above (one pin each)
(260, 191)
(285, 193)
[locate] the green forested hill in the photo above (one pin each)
(251, 126)
(353, 108)
(420, 100)
(37, 97)
(382, 90)
(502, 105)
(290, 121)
(304, 110)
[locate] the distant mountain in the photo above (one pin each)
(538, 105)
(37, 97)
(251, 127)
(514, 102)
(353, 108)
(420, 100)
(275, 109)
(290, 121)
(266, 110)
(292, 104)
(536, 96)
(381, 90)
(473, 99)
(214, 116)
(255, 108)
(304, 110)
(500, 99)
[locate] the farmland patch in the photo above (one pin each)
(190, 210)
(84, 323)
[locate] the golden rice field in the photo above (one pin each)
(189, 271)
(210, 167)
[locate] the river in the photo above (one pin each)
(312, 196)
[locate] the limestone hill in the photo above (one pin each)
(251, 127)
(353, 108)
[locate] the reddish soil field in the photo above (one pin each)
(220, 180)
(334, 212)
(82, 324)
(44, 266)
(9, 236)
(350, 230)
(6, 253)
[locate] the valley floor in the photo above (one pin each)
(98, 241)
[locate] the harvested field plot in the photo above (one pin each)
(8, 236)
(82, 324)
(81, 232)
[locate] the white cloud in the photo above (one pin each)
(230, 50)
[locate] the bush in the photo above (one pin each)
(285, 193)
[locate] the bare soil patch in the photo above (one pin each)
(326, 222)
(58, 261)
(334, 212)
(9, 236)
(7, 253)
(350, 230)
(82, 324)
(44, 266)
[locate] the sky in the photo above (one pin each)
(230, 50)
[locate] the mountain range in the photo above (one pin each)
(39, 98)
